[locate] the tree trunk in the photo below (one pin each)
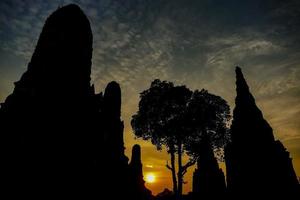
(180, 170)
(173, 169)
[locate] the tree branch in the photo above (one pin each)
(168, 166)
(187, 165)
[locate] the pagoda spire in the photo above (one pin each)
(242, 89)
(246, 114)
(255, 163)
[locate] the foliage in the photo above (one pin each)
(208, 116)
(179, 119)
(161, 113)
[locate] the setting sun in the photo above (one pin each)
(150, 178)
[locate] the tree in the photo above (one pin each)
(208, 117)
(173, 116)
(159, 119)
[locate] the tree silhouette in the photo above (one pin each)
(208, 117)
(173, 116)
(160, 119)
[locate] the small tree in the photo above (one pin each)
(174, 117)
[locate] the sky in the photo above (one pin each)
(197, 43)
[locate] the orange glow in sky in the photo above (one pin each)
(150, 178)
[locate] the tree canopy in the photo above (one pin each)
(160, 113)
(208, 116)
(178, 118)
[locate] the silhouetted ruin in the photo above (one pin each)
(48, 117)
(257, 164)
(136, 169)
(60, 138)
(113, 126)
(208, 178)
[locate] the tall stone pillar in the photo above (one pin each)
(139, 191)
(256, 163)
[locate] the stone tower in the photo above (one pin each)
(113, 126)
(136, 172)
(208, 178)
(256, 163)
(60, 138)
(48, 123)
(114, 167)
(136, 163)
(46, 114)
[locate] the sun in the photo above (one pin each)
(150, 178)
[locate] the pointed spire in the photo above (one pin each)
(242, 89)
(240, 80)
(247, 114)
(253, 158)
(245, 106)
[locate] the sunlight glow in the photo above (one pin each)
(150, 178)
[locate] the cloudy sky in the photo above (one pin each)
(193, 42)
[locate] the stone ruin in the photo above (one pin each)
(60, 138)
(136, 173)
(257, 164)
(208, 178)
